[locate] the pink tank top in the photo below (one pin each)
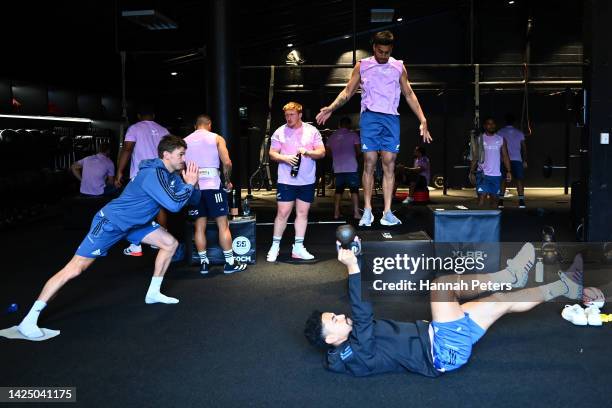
(202, 149)
(492, 150)
(380, 89)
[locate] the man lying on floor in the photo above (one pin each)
(364, 346)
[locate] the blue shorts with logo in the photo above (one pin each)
(289, 192)
(379, 132)
(103, 234)
(516, 169)
(488, 184)
(350, 180)
(452, 342)
(213, 204)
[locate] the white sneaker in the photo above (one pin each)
(573, 278)
(273, 253)
(301, 253)
(593, 316)
(408, 200)
(574, 314)
(521, 264)
(133, 250)
(367, 218)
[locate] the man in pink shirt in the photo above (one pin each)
(208, 150)
(294, 144)
(382, 78)
(140, 143)
(96, 173)
(517, 150)
(343, 145)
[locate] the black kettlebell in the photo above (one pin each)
(345, 234)
(548, 233)
(550, 254)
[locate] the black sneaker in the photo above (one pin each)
(204, 268)
(235, 267)
(521, 203)
(500, 204)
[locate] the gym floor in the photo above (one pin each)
(237, 340)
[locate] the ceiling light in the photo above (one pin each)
(290, 45)
(55, 118)
(174, 73)
(346, 36)
(381, 15)
(150, 19)
(511, 2)
(399, 20)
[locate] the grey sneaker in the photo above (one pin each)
(367, 218)
(389, 219)
(521, 264)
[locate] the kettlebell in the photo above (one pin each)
(346, 234)
(550, 254)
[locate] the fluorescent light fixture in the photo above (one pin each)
(290, 45)
(346, 36)
(54, 118)
(150, 19)
(381, 15)
(174, 73)
(511, 2)
(399, 20)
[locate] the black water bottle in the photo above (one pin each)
(296, 168)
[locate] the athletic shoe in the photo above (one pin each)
(389, 219)
(521, 264)
(273, 254)
(204, 268)
(593, 316)
(408, 200)
(235, 267)
(301, 253)
(573, 279)
(575, 315)
(367, 218)
(500, 204)
(133, 250)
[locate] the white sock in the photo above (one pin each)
(229, 257)
(276, 241)
(29, 325)
(299, 243)
(135, 248)
(203, 257)
(155, 296)
(553, 290)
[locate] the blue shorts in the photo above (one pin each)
(516, 169)
(488, 184)
(103, 234)
(379, 132)
(289, 192)
(213, 204)
(350, 180)
(452, 342)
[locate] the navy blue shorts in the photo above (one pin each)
(288, 192)
(452, 342)
(350, 180)
(213, 204)
(516, 169)
(103, 234)
(488, 184)
(379, 132)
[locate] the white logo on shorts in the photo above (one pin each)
(397, 147)
(364, 146)
(241, 245)
(218, 198)
(97, 252)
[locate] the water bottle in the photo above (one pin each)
(539, 273)
(234, 204)
(296, 168)
(246, 209)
